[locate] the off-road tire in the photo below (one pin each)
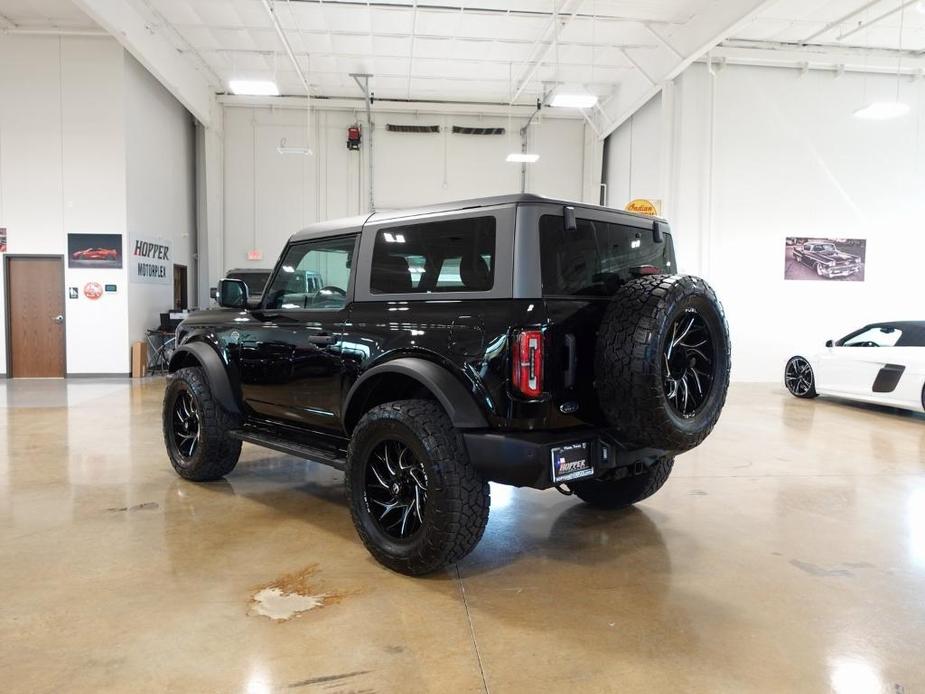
(629, 365)
(216, 453)
(614, 494)
(458, 499)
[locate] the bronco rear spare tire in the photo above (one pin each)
(662, 361)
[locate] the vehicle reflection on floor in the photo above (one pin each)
(785, 554)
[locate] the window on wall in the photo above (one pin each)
(313, 275)
(450, 256)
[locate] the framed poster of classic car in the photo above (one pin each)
(816, 258)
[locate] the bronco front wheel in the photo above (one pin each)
(196, 428)
(416, 501)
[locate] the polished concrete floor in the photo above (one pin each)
(787, 554)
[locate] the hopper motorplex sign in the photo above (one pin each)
(150, 261)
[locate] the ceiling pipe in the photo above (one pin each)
(485, 10)
(878, 18)
(364, 86)
(268, 6)
(841, 20)
(52, 31)
(535, 63)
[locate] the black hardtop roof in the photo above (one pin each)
(901, 324)
(355, 223)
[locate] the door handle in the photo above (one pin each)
(58, 319)
(322, 339)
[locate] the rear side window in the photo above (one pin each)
(449, 256)
(598, 257)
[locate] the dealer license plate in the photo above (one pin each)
(571, 462)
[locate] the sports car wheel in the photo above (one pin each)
(799, 378)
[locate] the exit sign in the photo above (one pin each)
(255, 255)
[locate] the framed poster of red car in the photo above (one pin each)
(94, 251)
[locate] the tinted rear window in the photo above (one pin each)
(452, 256)
(598, 257)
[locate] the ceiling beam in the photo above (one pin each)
(679, 47)
(350, 103)
(543, 45)
(159, 56)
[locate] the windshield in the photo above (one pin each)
(598, 257)
(824, 247)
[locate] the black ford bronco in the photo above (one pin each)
(516, 339)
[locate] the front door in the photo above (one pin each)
(852, 366)
(35, 306)
(291, 360)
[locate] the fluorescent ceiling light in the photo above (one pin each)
(522, 157)
(882, 110)
(253, 87)
(573, 100)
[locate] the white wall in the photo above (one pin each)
(269, 196)
(91, 143)
(789, 159)
(160, 188)
(62, 169)
(633, 157)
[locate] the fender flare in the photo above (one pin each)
(214, 367)
(459, 403)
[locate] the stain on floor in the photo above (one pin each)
(815, 570)
(147, 506)
(291, 595)
(327, 679)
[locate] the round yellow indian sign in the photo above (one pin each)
(642, 206)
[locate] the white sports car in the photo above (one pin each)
(882, 363)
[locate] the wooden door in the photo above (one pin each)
(35, 306)
(179, 287)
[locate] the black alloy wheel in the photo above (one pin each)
(396, 490)
(798, 377)
(186, 424)
(689, 357)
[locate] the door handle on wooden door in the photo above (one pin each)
(58, 319)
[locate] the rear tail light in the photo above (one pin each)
(527, 366)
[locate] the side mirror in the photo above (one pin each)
(213, 293)
(829, 343)
(232, 293)
(657, 233)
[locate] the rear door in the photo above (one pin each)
(579, 271)
(291, 360)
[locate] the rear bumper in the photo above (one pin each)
(524, 459)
